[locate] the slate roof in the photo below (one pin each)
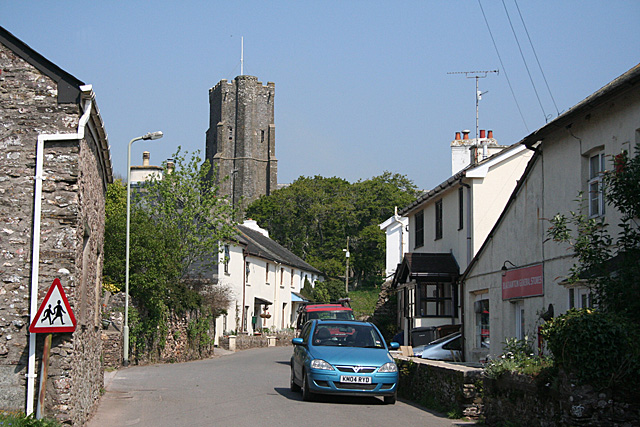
(262, 246)
(427, 267)
(68, 85)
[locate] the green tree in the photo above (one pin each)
(177, 223)
(313, 217)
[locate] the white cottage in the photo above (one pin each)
(516, 278)
(447, 225)
(265, 279)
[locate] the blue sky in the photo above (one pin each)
(362, 86)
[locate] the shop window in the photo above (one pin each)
(482, 323)
(520, 329)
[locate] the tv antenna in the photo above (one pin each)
(476, 75)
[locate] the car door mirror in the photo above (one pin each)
(297, 341)
(394, 346)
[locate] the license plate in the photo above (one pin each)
(355, 379)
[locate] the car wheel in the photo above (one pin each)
(391, 400)
(307, 394)
(293, 386)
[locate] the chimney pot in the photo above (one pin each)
(482, 133)
(490, 134)
(465, 134)
(145, 158)
(457, 136)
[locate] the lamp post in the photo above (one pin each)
(146, 137)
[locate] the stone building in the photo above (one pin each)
(54, 169)
(241, 139)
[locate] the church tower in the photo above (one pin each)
(241, 139)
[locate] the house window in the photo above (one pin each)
(439, 219)
(596, 194)
(226, 259)
(293, 273)
(266, 274)
(419, 236)
(435, 300)
(460, 208)
(247, 270)
(281, 276)
(482, 323)
(580, 298)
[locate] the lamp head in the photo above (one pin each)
(152, 135)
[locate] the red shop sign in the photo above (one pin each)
(522, 282)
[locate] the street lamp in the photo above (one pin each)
(146, 137)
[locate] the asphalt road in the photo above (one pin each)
(246, 388)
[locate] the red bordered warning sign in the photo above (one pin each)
(55, 314)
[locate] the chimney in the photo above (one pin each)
(145, 158)
(490, 134)
(465, 134)
(170, 165)
(482, 134)
(457, 136)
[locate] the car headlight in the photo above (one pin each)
(388, 367)
(321, 364)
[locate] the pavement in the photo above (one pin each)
(109, 375)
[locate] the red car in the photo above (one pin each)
(339, 310)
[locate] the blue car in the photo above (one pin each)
(343, 357)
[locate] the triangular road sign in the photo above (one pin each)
(54, 315)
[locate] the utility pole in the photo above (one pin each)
(346, 272)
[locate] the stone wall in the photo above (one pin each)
(517, 398)
(72, 229)
(440, 385)
(244, 342)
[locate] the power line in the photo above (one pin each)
(503, 67)
(536, 56)
(524, 61)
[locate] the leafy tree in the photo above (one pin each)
(313, 217)
(176, 224)
(185, 205)
(330, 290)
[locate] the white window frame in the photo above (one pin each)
(594, 185)
(580, 297)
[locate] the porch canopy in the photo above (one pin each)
(427, 267)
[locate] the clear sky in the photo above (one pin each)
(362, 86)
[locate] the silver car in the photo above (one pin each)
(446, 348)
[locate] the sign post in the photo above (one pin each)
(54, 315)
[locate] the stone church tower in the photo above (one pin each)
(241, 139)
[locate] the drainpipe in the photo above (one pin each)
(87, 92)
(469, 258)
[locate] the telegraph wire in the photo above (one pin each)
(537, 60)
(504, 69)
(526, 66)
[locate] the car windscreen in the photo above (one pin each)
(331, 315)
(344, 335)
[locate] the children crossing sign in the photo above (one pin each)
(55, 314)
